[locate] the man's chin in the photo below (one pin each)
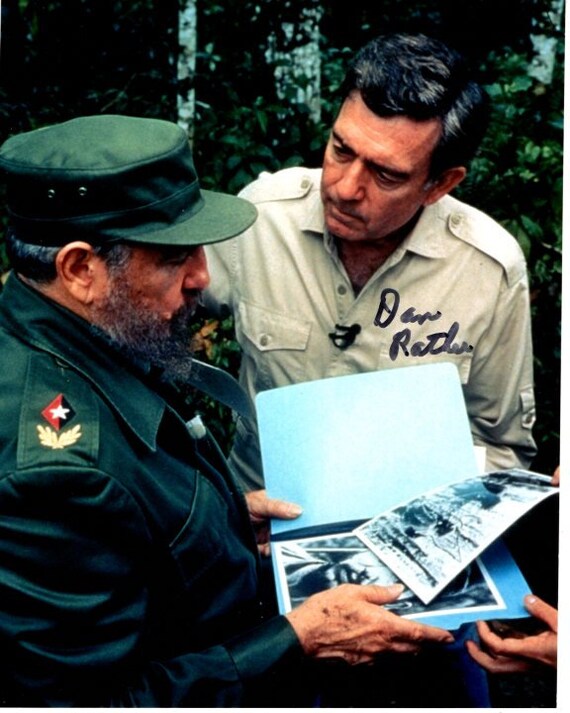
(349, 229)
(341, 232)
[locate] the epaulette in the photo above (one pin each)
(476, 228)
(287, 184)
(59, 417)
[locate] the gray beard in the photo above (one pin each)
(144, 337)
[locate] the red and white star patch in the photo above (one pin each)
(59, 412)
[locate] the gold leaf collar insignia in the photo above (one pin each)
(50, 439)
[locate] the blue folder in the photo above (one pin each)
(347, 448)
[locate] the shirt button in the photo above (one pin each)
(455, 219)
(306, 182)
(341, 289)
(264, 340)
(528, 419)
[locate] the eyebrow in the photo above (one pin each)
(176, 253)
(399, 175)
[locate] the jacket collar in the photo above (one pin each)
(51, 328)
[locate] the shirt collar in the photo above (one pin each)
(426, 238)
(313, 219)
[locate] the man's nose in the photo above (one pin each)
(351, 185)
(197, 275)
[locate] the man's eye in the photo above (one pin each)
(341, 150)
(387, 179)
(178, 258)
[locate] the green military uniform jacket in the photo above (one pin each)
(128, 568)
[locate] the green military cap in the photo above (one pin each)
(112, 178)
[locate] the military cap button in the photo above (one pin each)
(51, 193)
(82, 191)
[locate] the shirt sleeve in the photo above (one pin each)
(500, 392)
(218, 298)
(76, 557)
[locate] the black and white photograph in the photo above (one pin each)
(430, 539)
(310, 565)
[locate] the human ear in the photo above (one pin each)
(444, 184)
(80, 271)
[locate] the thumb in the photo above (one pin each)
(282, 509)
(262, 507)
(541, 610)
(376, 594)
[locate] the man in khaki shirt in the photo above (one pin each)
(369, 263)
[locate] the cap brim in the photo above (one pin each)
(222, 217)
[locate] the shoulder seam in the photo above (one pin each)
(506, 251)
(287, 184)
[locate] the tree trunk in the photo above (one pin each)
(186, 65)
(293, 51)
(545, 42)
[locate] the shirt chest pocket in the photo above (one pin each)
(214, 563)
(275, 342)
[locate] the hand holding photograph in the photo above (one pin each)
(313, 564)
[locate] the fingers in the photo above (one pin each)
(349, 622)
(495, 664)
(405, 635)
(543, 611)
(520, 651)
(556, 477)
(262, 507)
(264, 549)
(409, 630)
(282, 509)
(261, 510)
(377, 594)
(489, 638)
(425, 633)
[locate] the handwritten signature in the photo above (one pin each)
(404, 342)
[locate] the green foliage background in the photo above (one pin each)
(63, 58)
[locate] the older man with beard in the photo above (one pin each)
(129, 571)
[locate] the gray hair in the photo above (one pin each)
(421, 78)
(37, 262)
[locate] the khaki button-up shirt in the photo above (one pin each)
(456, 290)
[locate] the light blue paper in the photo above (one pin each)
(350, 447)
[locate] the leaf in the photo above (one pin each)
(48, 437)
(69, 437)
